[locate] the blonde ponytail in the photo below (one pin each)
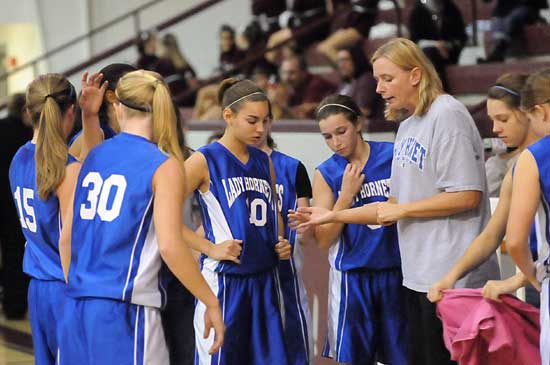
(165, 134)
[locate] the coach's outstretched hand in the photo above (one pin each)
(305, 217)
(229, 250)
(283, 249)
(213, 319)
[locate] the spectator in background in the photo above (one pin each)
(15, 131)
(301, 91)
(509, 18)
(267, 80)
(351, 23)
(230, 54)
(437, 27)
(357, 81)
(148, 49)
(266, 14)
(184, 78)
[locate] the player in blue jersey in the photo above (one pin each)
(530, 197)
(366, 305)
(99, 120)
(127, 215)
(513, 127)
(234, 183)
(42, 177)
(293, 190)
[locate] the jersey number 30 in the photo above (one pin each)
(98, 196)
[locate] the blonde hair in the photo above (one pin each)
(47, 98)
(145, 92)
(407, 55)
(536, 90)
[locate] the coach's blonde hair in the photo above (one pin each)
(48, 98)
(536, 90)
(407, 55)
(145, 92)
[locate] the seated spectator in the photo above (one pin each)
(266, 14)
(301, 91)
(230, 54)
(300, 15)
(15, 131)
(184, 79)
(252, 41)
(148, 47)
(509, 18)
(206, 105)
(437, 26)
(351, 23)
(358, 82)
(267, 80)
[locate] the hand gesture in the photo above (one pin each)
(352, 181)
(229, 250)
(305, 217)
(92, 93)
(389, 213)
(435, 294)
(283, 249)
(213, 319)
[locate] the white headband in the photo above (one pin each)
(340, 105)
(244, 97)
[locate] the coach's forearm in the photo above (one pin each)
(442, 205)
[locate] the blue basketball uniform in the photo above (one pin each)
(41, 223)
(540, 150)
(366, 306)
(296, 315)
(115, 288)
(240, 205)
(108, 133)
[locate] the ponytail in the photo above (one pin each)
(165, 134)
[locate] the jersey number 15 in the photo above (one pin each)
(98, 196)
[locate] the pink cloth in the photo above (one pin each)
(478, 331)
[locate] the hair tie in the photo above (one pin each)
(48, 96)
(338, 105)
(509, 91)
(244, 97)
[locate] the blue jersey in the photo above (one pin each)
(540, 151)
(108, 133)
(286, 168)
(114, 247)
(361, 245)
(239, 205)
(40, 219)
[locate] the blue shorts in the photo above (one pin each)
(46, 310)
(252, 315)
(110, 332)
(296, 314)
(366, 317)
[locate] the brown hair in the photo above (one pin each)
(145, 92)
(233, 93)
(338, 104)
(507, 89)
(48, 98)
(407, 55)
(536, 90)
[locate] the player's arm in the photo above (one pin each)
(493, 289)
(169, 188)
(197, 177)
(526, 195)
(283, 247)
(90, 102)
(65, 194)
(482, 246)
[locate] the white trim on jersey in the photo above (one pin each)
(544, 323)
(155, 351)
(280, 296)
(204, 344)
(543, 248)
(136, 335)
(334, 303)
(218, 221)
(134, 249)
(302, 303)
(146, 283)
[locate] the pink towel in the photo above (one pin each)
(478, 331)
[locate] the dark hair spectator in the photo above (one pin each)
(437, 27)
(230, 54)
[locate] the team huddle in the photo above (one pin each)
(404, 222)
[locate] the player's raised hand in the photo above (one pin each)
(213, 320)
(92, 93)
(352, 180)
(229, 250)
(283, 249)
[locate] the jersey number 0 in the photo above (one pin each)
(98, 196)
